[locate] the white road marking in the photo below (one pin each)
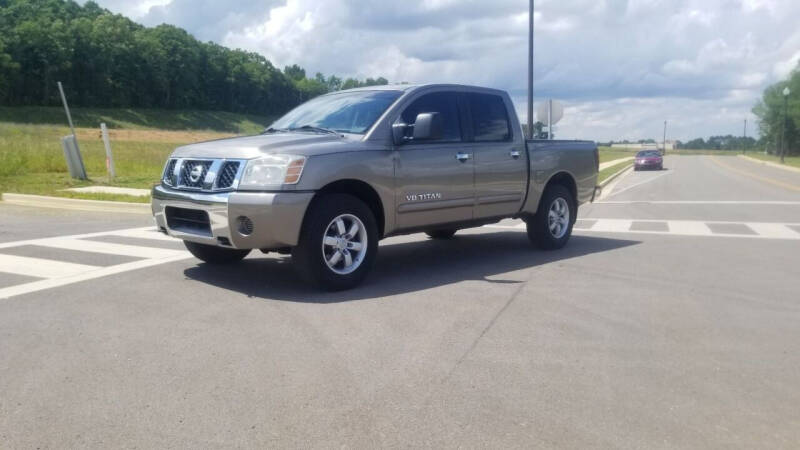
(41, 285)
(640, 183)
(762, 230)
(57, 273)
(41, 268)
(609, 188)
(773, 230)
(698, 202)
(111, 249)
(612, 225)
(688, 228)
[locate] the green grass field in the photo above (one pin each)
(793, 161)
(32, 161)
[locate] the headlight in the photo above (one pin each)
(273, 170)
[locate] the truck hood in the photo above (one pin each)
(248, 147)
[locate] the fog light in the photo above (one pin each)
(244, 225)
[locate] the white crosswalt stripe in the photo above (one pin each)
(41, 268)
(688, 228)
(148, 233)
(110, 249)
(773, 230)
(612, 225)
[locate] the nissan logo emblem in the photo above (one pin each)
(196, 173)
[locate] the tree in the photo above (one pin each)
(772, 118)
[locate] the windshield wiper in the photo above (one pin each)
(274, 130)
(313, 128)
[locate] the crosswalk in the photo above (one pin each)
(51, 262)
(762, 230)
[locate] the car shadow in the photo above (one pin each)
(403, 267)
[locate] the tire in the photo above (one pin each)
(557, 201)
(321, 239)
(212, 254)
(441, 234)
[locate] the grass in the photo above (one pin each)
(793, 161)
(32, 161)
(138, 119)
(610, 154)
(607, 172)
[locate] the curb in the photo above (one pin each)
(770, 163)
(611, 178)
(41, 201)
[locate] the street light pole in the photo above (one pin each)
(530, 72)
(664, 142)
(786, 93)
(744, 138)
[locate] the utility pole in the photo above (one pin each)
(530, 72)
(744, 138)
(665, 138)
(786, 93)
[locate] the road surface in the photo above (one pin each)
(669, 321)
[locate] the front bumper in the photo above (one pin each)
(276, 217)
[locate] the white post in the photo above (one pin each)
(530, 71)
(550, 119)
(109, 156)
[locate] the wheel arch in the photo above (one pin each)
(565, 179)
(362, 191)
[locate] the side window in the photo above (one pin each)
(444, 103)
(489, 117)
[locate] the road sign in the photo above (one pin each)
(546, 108)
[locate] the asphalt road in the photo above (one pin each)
(669, 321)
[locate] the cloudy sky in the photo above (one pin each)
(621, 67)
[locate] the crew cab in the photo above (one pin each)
(335, 175)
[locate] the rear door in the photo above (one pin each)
(501, 163)
(435, 179)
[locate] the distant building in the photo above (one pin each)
(671, 145)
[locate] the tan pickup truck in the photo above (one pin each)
(338, 173)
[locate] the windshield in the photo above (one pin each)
(648, 153)
(346, 112)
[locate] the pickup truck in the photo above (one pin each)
(332, 177)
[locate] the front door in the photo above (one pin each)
(435, 179)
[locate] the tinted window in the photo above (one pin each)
(444, 103)
(489, 117)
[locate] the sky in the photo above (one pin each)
(620, 67)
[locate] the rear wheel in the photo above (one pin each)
(551, 227)
(215, 255)
(441, 234)
(338, 243)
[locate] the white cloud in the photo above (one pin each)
(621, 66)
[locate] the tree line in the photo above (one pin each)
(107, 60)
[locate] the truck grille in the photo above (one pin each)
(206, 175)
(227, 174)
(189, 173)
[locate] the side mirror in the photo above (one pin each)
(428, 126)
(399, 133)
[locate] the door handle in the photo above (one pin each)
(462, 156)
(514, 154)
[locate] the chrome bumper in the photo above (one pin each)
(276, 217)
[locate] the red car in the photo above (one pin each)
(648, 159)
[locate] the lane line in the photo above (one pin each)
(609, 188)
(41, 285)
(110, 248)
(789, 186)
(41, 268)
(642, 182)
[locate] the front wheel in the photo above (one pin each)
(551, 228)
(215, 255)
(338, 243)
